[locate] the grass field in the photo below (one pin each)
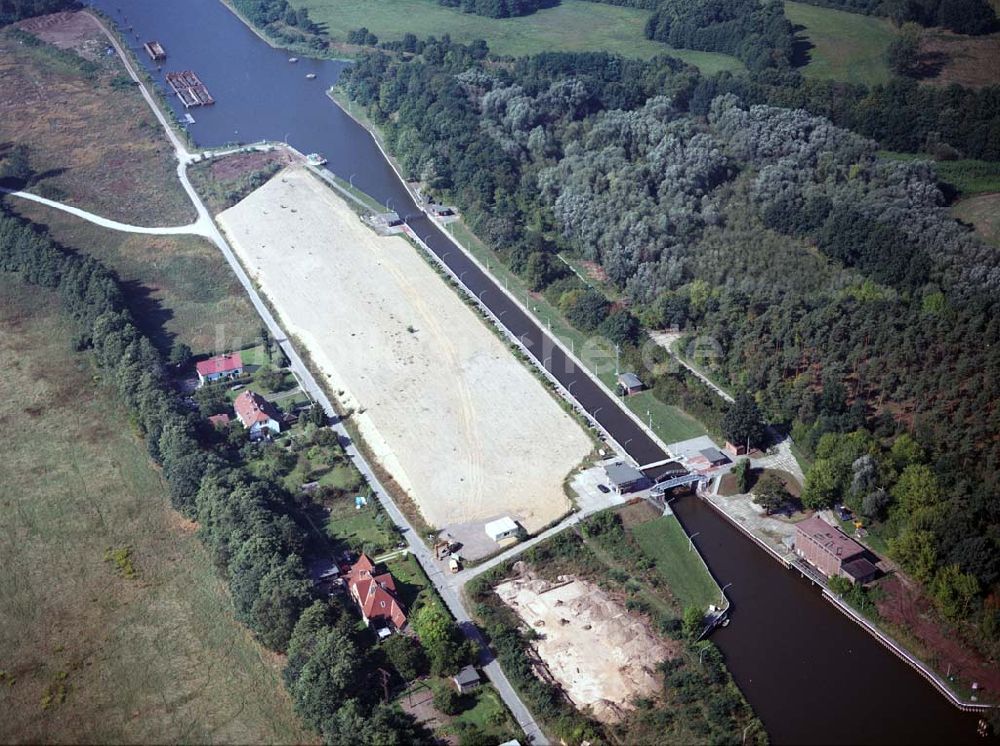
(178, 286)
(665, 542)
(845, 46)
(572, 25)
(90, 655)
(969, 177)
(124, 169)
(983, 212)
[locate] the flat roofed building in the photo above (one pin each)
(714, 456)
(625, 478)
(502, 528)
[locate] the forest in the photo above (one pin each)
(254, 529)
(842, 295)
(15, 10)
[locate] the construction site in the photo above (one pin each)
(600, 656)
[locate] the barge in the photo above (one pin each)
(155, 51)
(189, 89)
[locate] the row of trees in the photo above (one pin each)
(497, 8)
(280, 20)
(755, 32)
(16, 10)
(249, 525)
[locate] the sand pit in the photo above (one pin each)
(448, 411)
(604, 658)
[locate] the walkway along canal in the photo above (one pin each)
(811, 674)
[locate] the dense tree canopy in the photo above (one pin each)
(832, 283)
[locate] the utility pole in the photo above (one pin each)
(618, 350)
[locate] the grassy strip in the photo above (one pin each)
(665, 542)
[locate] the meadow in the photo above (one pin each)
(124, 169)
(570, 26)
(114, 626)
(179, 287)
(844, 46)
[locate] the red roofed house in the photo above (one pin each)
(375, 595)
(831, 551)
(257, 415)
(219, 367)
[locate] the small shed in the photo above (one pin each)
(736, 450)
(502, 528)
(625, 478)
(466, 680)
(714, 456)
(629, 383)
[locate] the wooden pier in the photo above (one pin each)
(155, 51)
(189, 89)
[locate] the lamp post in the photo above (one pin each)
(350, 180)
(724, 592)
(691, 543)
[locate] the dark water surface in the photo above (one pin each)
(811, 674)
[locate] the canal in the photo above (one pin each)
(811, 674)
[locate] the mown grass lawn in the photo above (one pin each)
(360, 529)
(845, 46)
(664, 541)
(153, 658)
(572, 25)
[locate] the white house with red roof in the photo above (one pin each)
(375, 595)
(219, 368)
(257, 415)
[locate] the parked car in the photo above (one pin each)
(843, 513)
(603, 488)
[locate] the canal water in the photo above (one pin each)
(811, 675)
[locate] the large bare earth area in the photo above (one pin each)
(604, 658)
(460, 424)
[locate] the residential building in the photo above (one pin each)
(466, 680)
(259, 416)
(629, 383)
(375, 595)
(625, 478)
(832, 552)
(502, 528)
(220, 367)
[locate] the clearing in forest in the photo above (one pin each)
(463, 427)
